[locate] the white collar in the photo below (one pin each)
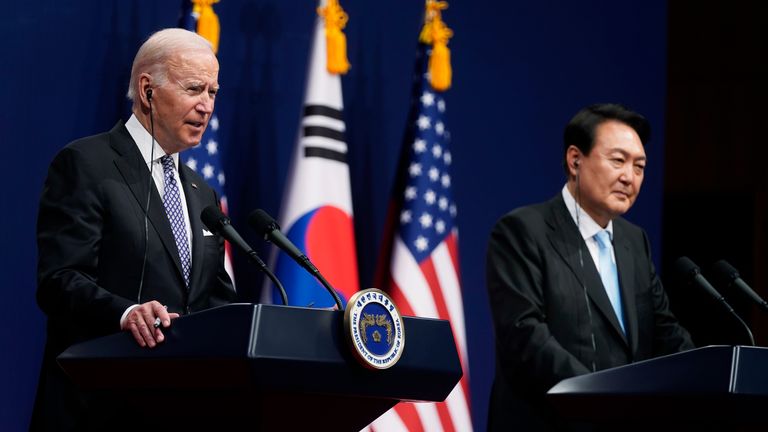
(143, 141)
(587, 226)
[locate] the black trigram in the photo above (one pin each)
(323, 133)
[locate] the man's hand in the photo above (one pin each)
(140, 322)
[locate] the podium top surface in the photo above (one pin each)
(267, 348)
(711, 370)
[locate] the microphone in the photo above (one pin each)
(265, 225)
(217, 222)
(728, 276)
(691, 273)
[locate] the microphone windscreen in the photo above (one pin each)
(213, 218)
(262, 222)
(725, 272)
(685, 269)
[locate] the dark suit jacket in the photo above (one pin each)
(91, 241)
(548, 303)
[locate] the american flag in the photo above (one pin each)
(419, 264)
(205, 158)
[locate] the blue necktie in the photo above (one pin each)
(609, 274)
(172, 204)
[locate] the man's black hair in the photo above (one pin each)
(580, 131)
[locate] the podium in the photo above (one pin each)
(259, 367)
(716, 386)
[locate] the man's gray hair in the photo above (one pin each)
(154, 55)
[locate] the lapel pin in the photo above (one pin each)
(194, 185)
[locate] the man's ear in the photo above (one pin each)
(145, 89)
(573, 157)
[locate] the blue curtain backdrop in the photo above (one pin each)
(521, 70)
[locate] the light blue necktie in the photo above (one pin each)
(172, 204)
(609, 274)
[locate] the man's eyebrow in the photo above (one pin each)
(626, 153)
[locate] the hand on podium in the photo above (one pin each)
(144, 322)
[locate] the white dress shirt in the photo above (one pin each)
(143, 141)
(587, 227)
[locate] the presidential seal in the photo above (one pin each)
(374, 329)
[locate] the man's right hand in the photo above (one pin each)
(140, 321)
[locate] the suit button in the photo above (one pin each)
(187, 310)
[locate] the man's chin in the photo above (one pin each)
(192, 142)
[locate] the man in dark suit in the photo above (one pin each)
(571, 283)
(120, 240)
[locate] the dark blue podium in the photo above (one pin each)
(259, 367)
(716, 386)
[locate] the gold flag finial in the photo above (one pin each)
(335, 40)
(207, 21)
(436, 33)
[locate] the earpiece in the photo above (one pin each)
(149, 94)
(576, 163)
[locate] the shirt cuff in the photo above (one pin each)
(125, 314)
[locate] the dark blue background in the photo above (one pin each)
(521, 70)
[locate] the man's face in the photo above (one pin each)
(184, 104)
(611, 175)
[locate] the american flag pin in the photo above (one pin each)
(194, 185)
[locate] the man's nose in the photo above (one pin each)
(627, 174)
(206, 103)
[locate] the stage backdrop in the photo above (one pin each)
(521, 69)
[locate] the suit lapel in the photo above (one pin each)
(134, 170)
(566, 240)
(626, 267)
(194, 208)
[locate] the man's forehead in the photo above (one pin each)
(194, 61)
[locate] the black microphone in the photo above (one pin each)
(266, 225)
(691, 273)
(726, 275)
(217, 222)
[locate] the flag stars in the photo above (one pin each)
(441, 105)
(453, 210)
(192, 164)
(424, 122)
(443, 203)
(434, 174)
(421, 243)
(207, 171)
(429, 196)
(439, 128)
(214, 123)
(221, 179)
(427, 99)
(410, 193)
(405, 217)
(437, 151)
(419, 146)
(446, 180)
(414, 169)
(440, 226)
(212, 147)
(425, 220)
(447, 158)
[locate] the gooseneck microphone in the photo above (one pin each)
(691, 273)
(266, 225)
(217, 222)
(726, 275)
